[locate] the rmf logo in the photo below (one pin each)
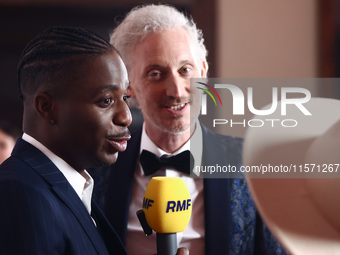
(171, 205)
(238, 99)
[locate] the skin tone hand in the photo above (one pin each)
(182, 251)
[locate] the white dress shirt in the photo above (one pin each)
(193, 236)
(82, 182)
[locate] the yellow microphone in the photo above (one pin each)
(167, 208)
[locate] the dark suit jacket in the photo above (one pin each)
(41, 214)
(231, 221)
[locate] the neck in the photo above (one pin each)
(166, 141)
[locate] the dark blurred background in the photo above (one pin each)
(262, 39)
(20, 21)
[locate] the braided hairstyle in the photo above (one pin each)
(48, 56)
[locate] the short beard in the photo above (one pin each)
(175, 130)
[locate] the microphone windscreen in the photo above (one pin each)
(167, 204)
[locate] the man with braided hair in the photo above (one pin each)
(73, 86)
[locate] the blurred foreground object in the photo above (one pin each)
(301, 206)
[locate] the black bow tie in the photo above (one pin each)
(151, 163)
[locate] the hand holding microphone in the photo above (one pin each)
(167, 208)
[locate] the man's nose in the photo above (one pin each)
(176, 86)
(122, 116)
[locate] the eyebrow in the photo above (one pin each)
(186, 61)
(182, 62)
(152, 66)
(103, 89)
(113, 87)
(109, 87)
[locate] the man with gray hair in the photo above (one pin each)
(163, 50)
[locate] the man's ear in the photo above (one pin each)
(204, 69)
(44, 105)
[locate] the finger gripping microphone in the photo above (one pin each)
(167, 208)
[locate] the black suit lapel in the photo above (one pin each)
(217, 198)
(72, 200)
(52, 175)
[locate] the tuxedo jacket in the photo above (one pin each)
(41, 214)
(232, 225)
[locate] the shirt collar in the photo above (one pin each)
(77, 180)
(194, 145)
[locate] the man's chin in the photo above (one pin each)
(175, 130)
(178, 129)
(107, 161)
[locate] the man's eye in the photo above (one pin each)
(154, 74)
(186, 70)
(106, 102)
(126, 97)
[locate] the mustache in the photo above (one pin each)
(125, 133)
